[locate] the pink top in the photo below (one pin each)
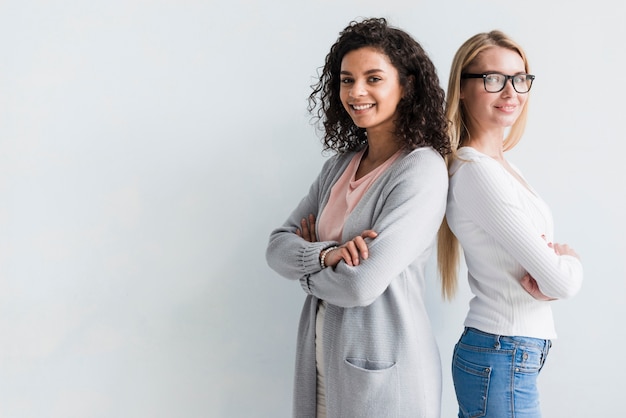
(345, 195)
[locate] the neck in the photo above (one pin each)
(380, 148)
(489, 144)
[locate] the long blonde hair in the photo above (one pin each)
(448, 248)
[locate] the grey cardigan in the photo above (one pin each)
(380, 353)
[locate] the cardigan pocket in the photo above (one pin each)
(369, 365)
(369, 388)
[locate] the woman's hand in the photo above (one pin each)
(308, 229)
(563, 249)
(352, 252)
(530, 285)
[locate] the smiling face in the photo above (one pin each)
(370, 89)
(488, 111)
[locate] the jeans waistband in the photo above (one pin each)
(497, 341)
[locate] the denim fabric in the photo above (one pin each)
(496, 376)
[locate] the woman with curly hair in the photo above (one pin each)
(359, 241)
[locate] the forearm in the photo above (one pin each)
(406, 226)
(504, 215)
(293, 257)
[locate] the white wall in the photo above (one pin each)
(148, 147)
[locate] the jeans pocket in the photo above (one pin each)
(471, 384)
(529, 360)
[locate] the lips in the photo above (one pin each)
(507, 107)
(362, 107)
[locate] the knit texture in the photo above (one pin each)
(381, 358)
(500, 222)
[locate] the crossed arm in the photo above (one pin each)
(351, 251)
(356, 249)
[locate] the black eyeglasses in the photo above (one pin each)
(495, 82)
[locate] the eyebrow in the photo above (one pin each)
(500, 72)
(372, 71)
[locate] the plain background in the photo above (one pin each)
(148, 148)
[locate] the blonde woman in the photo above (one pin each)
(505, 231)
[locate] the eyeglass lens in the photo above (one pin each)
(496, 82)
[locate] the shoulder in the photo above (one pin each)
(337, 162)
(425, 153)
(473, 174)
(420, 169)
(468, 161)
(426, 168)
(424, 159)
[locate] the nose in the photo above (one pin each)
(508, 89)
(358, 89)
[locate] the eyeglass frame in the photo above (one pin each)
(506, 78)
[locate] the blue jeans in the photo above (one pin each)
(496, 376)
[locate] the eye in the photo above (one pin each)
(346, 80)
(520, 79)
(374, 79)
(494, 79)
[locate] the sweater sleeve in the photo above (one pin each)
(411, 206)
(482, 191)
(290, 255)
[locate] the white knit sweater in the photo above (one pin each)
(500, 222)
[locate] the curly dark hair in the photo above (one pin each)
(420, 113)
